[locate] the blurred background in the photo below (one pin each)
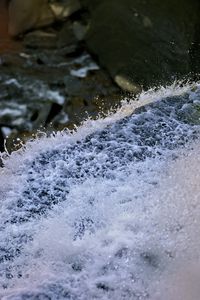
(63, 61)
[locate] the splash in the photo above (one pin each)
(108, 211)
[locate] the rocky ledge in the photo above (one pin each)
(70, 59)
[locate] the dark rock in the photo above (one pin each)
(65, 8)
(66, 36)
(40, 39)
(25, 15)
(142, 42)
(32, 14)
(38, 89)
(79, 30)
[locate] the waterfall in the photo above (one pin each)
(110, 211)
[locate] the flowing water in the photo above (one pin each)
(110, 211)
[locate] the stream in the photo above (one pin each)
(110, 210)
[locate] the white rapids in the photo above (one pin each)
(111, 211)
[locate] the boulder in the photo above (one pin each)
(31, 14)
(3, 20)
(25, 15)
(65, 8)
(142, 43)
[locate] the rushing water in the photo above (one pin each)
(110, 211)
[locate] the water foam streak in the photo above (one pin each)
(106, 212)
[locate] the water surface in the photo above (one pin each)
(108, 212)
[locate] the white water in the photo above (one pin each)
(124, 223)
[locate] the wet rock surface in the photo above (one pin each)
(52, 82)
(89, 57)
(142, 42)
(32, 14)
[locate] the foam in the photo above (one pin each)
(104, 212)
